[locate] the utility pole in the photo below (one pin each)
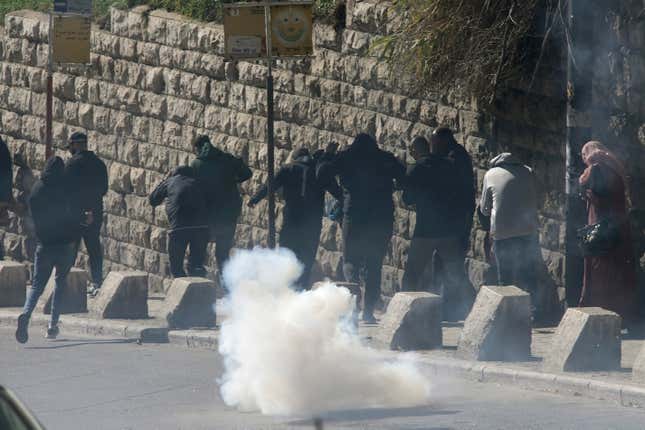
(270, 135)
(50, 90)
(579, 48)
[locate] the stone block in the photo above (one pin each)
(13, 283)
(587, 339)
(74, 296)
(498, 327)
(122, 295)
(638, 370)
(412, 322)
(190, 303)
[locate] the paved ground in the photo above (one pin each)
(76, 383)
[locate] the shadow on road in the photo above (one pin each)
(67, 343)
(377, 414)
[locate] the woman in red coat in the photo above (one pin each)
(609, 280)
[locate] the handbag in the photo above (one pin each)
(599, 239)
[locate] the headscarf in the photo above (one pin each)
(363, 144)
(54, 171)
(594, 153)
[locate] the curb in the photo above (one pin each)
(557, 383)
(622, 394)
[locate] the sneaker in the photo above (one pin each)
(52, 332)
(22, 333)
(93, 290)
(368, 318)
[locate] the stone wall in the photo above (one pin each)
(156, 80)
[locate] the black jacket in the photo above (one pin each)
(303, 188)
(186, 203)
(367, 175)
(5, 172)
(433, 185)
(220, 173)
(466, 182)
(57, 215)
(87, 175)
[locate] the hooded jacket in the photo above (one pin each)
(87, 175)
(367, 175)
(57, 215)
(303, 188)
(185, 201)
(432, 185)
(5, 172)
(509, 198)
(219, 174)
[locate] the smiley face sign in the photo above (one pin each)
(291, 30)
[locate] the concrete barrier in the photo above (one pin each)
(190, 303)
(587, 339)
(13, 283)
(122, 295)
(412, 322)
(498, 327)
(74, 296)
(638, 370)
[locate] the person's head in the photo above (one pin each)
(419, 147)
(364, 143)
(184, 171)
(77, 142)
(53, 171)
(199, 143)
(441, 140)
(590, 148)
(299, 154)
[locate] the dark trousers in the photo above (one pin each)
(365, 245)
(91, 236)
(223, 234)
(516, 264)
(451, 282)
(50, 257)
(302, 238)
(178, 241)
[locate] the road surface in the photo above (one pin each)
(84, 383)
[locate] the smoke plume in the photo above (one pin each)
(296, 353)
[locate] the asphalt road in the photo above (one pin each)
(84, 384)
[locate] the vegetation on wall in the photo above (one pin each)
(204, 10)
(477, 43)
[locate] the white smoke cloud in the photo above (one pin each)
(291, 353)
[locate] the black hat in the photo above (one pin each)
(78, 137)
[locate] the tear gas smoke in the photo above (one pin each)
(296, 353)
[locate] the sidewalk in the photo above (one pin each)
(615, 386)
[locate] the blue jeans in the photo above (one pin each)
(49, 257)
(517, 262)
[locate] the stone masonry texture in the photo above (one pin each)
(156, 80)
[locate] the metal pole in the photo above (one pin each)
(579, 131)
(50, 91)
(270, 141)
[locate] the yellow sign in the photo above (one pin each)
(244, 31)
(291, 30)
(71, 39)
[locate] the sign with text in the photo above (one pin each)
(81, 7)
(71, 39)
(244, 31)
(291, 30)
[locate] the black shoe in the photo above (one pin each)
(93, 290)
(52, 332)
(368, 318)
(22, 333)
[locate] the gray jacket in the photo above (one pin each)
(509, 197)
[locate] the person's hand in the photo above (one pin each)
(331, 148)
(89, 217)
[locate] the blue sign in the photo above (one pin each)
(60, 6)
(81, 7)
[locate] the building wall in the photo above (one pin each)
(156, 80)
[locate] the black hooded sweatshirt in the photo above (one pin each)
(433, 185)
(87, 175)
(57, 215)
(186, 201)
(5, 172)
(303, 188)
(367, 175)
